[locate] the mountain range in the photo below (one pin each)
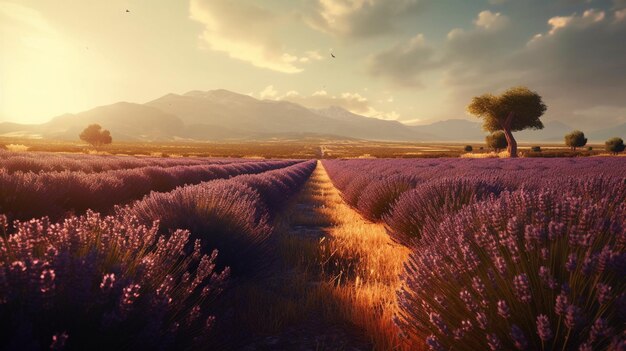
(220, 115)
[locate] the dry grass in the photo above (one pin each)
(331, 266)
(362, 266)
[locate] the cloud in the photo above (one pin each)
(25, 15)
(576, 64)
(491, 21)
(268, 93)
(351, 101)
(360, 18)
(248, 32)
(404, 63)
(580, 59)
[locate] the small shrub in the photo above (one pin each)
(615, 145)
(496, 141)
(589, 148)
(535, 149)
(575, 139)
(468, 148)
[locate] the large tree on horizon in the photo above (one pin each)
(516, 109)
(96, 136)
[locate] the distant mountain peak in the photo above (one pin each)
(218, 94)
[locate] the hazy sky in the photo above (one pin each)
(411, 60)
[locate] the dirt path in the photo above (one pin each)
(333, 283)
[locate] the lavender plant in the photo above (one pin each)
(94, 282)
(379, 196)
(530, 270)
(230, 215)
(430, 203)
(54, 194)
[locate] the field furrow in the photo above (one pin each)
(333, 286)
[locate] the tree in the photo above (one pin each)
(468, 148)
(516, 109)
(496, 141)
(615, 145)
(575, 139)
(96, 136)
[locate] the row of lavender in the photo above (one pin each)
(506, 254)
(38, 162)
(54, 194)
(128, 281)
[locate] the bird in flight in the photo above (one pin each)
(127, 10)
(333, 55)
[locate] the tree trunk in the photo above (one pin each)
(510, 140)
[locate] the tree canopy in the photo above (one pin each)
(575, 139)
(615, 145)
(96, 136)
(516, 109)
(525, 105)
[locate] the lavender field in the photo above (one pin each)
(505, 254)
(103, 253)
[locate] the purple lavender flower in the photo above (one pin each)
(573, 317)
(438, 322)
(482, 320)
(546, 278)
(570, 265)
(433, 343)
(522, 287)
(503, 309)
(494, 342)
(600, 328)
(543, 328)
(519, 339)
(603, 292)
(560, 307)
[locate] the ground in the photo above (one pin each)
(307, 148)
(332, 285)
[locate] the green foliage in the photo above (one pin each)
(96, 136)
(468, 148)
(526, 107)
(496, 141)
(589, 148)
(615, 145)
(535, 149)
(575, 139)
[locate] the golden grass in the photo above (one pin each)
(331, 265)
(362, 265)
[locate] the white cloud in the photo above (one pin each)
(588, 18)
(25, 15)
(268, 93)
(246, 32)
(360, 18)
(491, 21)
(351, 101)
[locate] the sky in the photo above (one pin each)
(416, 61)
